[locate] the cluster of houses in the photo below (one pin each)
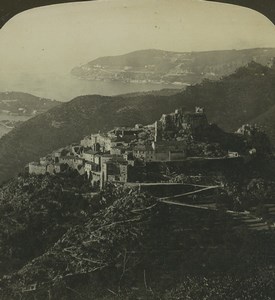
(106, 157)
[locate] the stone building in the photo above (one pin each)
(93, 172)
(170, 125)
(56, 155)
(233, 154)
(67, 160)
(161, 151)
(86, 142)
(59, 168)
(169, 150)
(37, 169)
(143, 152)
(50, 168)
(89, 155)
(45, 160)
(119, 149)
(114, 171)
(105, 141)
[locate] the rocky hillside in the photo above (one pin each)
(123, 244)
(44, 217)
(179, 68)
(230, 102)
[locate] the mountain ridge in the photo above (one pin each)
(167, 67)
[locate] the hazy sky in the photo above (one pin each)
(58, 37)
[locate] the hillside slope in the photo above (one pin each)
(17, 107)
(123, 244)
(24, 104)
(230, 102)
(159, 66)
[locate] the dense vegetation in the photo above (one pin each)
(35, 212)
(122, 243)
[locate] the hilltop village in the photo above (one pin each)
(113, 156)
(115, 198)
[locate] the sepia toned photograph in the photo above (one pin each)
(137, 157)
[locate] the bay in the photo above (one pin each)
(66, 87)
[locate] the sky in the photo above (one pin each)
(59, 37)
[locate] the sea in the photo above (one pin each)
(66, 87)
(3, 116)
